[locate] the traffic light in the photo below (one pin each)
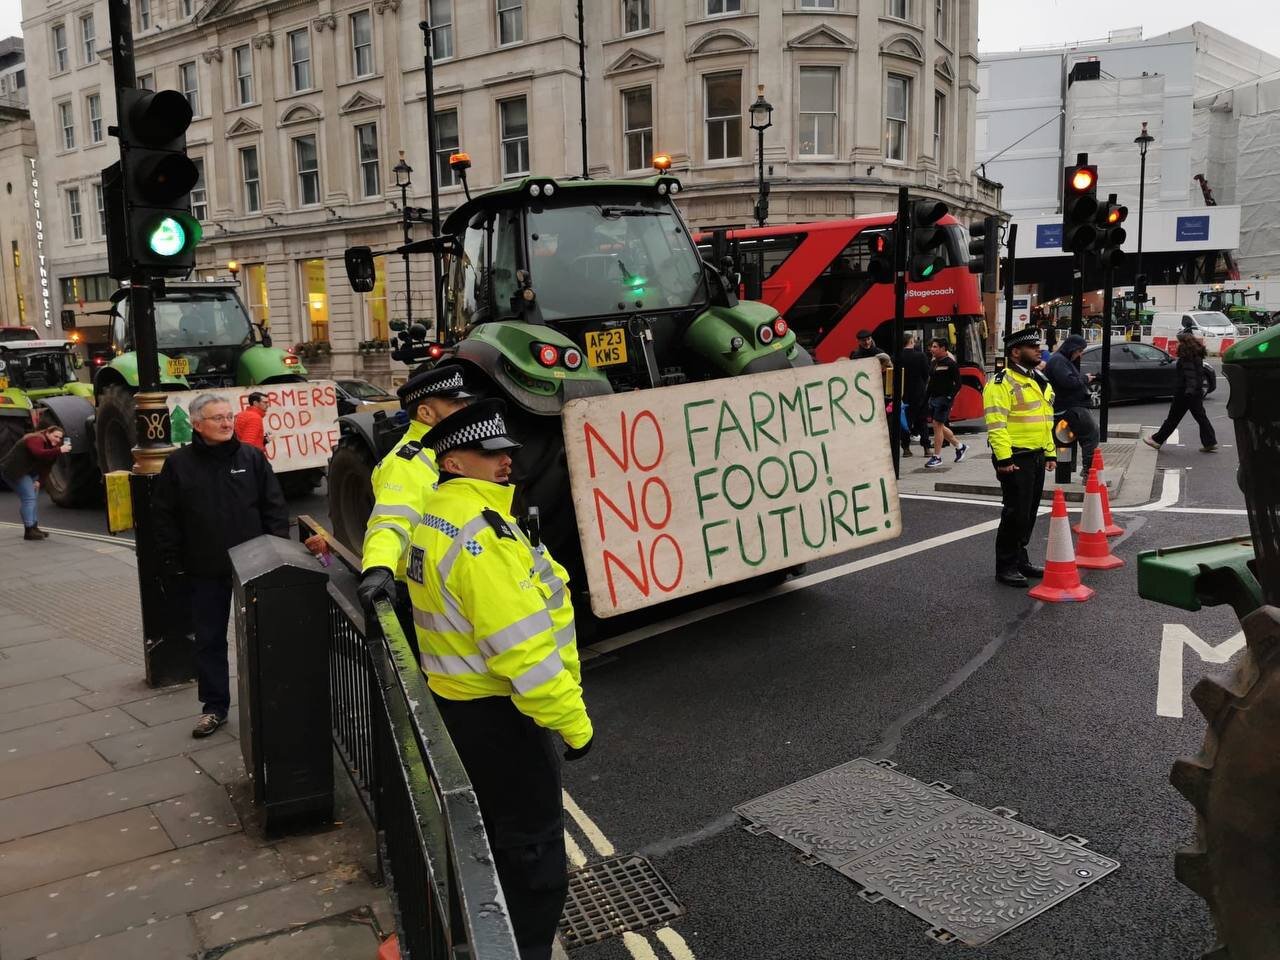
(1079, 205)
(1111, 234)
(880, 262)
(928, 240)
(152, 186)
(985, 248)
(1140, 288)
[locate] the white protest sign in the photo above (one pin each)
(301, 422)
(690, 487)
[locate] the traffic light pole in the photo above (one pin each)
(901, 248)
(1108, 278)
(1077, 294)
(1012, 244)
(437, 261)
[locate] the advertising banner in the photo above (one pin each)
(690, 487)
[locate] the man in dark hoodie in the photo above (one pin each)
(211, 495)
(1071, 396)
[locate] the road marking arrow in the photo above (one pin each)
(1176, 636)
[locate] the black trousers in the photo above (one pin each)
(917, 423)
(1177, 410)
(515, 770)
(1020, 492)
(1086, 431)
(210, 614)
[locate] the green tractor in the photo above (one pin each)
(559, 289)
(206, 340)
(1235, 304)
(31, 372)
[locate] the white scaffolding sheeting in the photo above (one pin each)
(1103, 116)
(1258, 192)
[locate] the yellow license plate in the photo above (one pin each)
(179, 367)
(606, 347)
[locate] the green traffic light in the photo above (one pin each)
(168, 238)
(927, 272)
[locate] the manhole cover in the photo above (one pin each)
(609, 898)
(968, 871)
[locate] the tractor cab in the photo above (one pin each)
(38, 368)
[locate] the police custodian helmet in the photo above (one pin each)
(480, 426)
(442, 381)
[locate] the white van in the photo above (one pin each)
(1211, 326)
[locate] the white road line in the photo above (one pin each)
(1174, 638)
(573, 851)
(674, 943)
(638, 946)
(594, 834)
(80, 535)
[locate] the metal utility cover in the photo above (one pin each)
(969, 872)
(609, 898)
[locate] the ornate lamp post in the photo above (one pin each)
(402, 172)
(1143, 140)
(761, 120)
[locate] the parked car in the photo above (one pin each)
(1139, 371)
(354, 394)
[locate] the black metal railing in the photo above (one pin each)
(433, 849)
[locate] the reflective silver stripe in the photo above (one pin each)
(538, 674)
(452, 622)
(422, 455)
(514, 635)
(557, 598)
(566, 635)
(454, 665)
(387, 510)
(459, 540)
(400, 531)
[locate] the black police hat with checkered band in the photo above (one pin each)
(1026, 337)
(443, 381)
(481, 426)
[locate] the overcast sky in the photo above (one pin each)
(1009, 24)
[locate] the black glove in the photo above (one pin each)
(378, 583)
(577, 753)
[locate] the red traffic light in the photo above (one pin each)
(1083, 180)
(879, 243)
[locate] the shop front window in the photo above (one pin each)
(256, 288)
(376, 301)
(316, 299)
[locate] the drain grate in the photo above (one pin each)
(609, 898)
(972, 873)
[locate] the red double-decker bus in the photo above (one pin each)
(815, 275)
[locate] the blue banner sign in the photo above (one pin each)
(1048, 236)
(1192, 229)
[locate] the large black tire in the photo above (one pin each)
(74, 480)
(12, 429)
(115, 430)
(350, 491)
(299, 483)
(540, 473)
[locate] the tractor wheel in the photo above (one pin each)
(74, 480)
(299, 483)
(350, 491)
(12, 429)
(1234, 784)
(114, 427)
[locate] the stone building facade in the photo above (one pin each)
(302, 109)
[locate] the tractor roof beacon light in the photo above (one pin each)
(1079, 205)
(928, 240)
(233, 266)
(662, 161)
(460, 163)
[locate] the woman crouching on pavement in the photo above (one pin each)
(26, 465)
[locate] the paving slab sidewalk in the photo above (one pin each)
(120, 835)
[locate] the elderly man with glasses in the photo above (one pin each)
(211, 495)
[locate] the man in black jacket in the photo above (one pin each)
(1071, 397)
(915, 382)
(211, 495)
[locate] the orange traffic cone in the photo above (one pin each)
(1061, 578)
(1095, 553)
(1109, 525)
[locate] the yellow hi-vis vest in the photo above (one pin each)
(402, 484)
(492, 611)
(1019, 413)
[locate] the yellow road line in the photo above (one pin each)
(594, 834)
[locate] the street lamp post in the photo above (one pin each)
(402, 172)
(1143, 140)
(761, 120)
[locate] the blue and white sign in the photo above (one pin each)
(1192, 229)
(1049, 235)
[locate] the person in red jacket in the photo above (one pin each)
(26, 465)
(250, 428)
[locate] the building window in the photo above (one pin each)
(66, 120)
(362, 43)
(242, 60)
(188, 8)
(252, 180)
(256, 288)
(899, 9)
(817, 4)
(307, 162)
(73, 212)
(93, 108)
(376, 301)
(187, 83)
(146, 81)
(510, 21)
(88, 39)
(818, 111)
(637, 127)
(514, 119)
(724, 116)
(635, 16)
(300, 59)
(446, 134)
(897, 95)
(717, 7)
(61, 61)
(200, 192)
(144, 14)
(939, 128)
(100, 205)
(940, 18)
(367, 152)
(317, 299)
(441, 29)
